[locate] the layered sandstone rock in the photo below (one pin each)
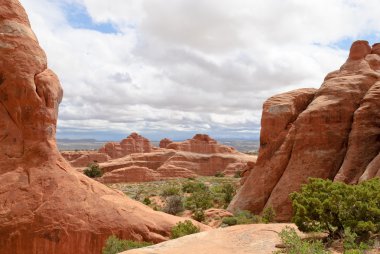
(84, 158)
(45, 205)
(168, 163)
(333, 132)
(201, 143)
(165, 142)
(134, 143)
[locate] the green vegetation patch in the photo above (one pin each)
(115, 245)
(184, 228)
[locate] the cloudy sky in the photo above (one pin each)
(172, 68)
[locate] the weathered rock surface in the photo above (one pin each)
(167, 163)
(254, 238)
(332, 132)
(45, 205)
(134, 143)
(165, 142)
(199, 156)
(84, 158)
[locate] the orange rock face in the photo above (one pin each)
(332, 132)
(134, 143)
(201, 143)
(46, 206)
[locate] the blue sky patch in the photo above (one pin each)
(78, 17)
(346, 43)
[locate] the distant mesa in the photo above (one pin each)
(46, 205)
(199, 156)
(331, 132)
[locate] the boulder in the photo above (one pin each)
(331, 133)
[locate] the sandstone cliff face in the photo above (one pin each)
(134, 143)
(45, 205)
(332, 132)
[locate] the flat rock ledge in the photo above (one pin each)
(253, 238)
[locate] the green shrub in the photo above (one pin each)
(268, 215)
(147, 201)
(229, 192)
(334, 206)
(115, 245)
(219, 174)
(170, 190)
(93, 170)
(246, 217)
(352, 244)
(173, 205)
(230, 221)
(191, 187)
(198, 215)
(184, 228)
(201, 199)
(242, 217)
(295, 245)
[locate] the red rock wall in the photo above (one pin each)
(329, 133)
(46, 206)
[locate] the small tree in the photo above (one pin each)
(184, 228)
(229, 192)
(93, 170)
(268, 215)
(334, 207)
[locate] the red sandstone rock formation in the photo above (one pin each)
(45, 205)
(165, 142)
(332, 132)
(84, 158)
(201, 143)
(134, 143)
(168, 163)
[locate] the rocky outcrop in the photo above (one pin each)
(165, 142)
(45, 205)
(201, 143)
(332, 132)
(134, 143)
(168, 164)
(84, 158)
(255, 238)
